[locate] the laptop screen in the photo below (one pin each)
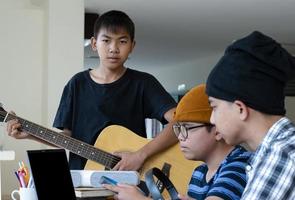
(51, 174)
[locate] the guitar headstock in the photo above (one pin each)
(3, 113)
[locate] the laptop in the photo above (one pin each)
(51, 174)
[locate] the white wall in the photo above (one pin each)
(290, 108)
(191, 73)
(21, 77)
(41, 48)
(65, 47)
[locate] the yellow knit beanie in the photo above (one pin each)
(194, 106)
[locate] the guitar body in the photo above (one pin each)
(117, 138)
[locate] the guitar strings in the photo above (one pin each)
(3, 113)
(49, 134)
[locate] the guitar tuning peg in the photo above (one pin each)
(1, 107)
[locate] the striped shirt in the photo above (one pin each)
(229, 180)
(272, 171)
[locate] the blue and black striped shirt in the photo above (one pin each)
(228, 182)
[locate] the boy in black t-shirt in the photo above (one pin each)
(112, 94)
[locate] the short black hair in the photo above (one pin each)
(113, 21)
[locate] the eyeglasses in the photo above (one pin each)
(183, 129)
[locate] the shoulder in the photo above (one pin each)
(198, 174)
(140, 75)
(229, 182)
(201, 169)
(79, 78)
(272, 164)
(282, 144)
(282, 152)
(239, 154)
(230, 179)
(235, 164)
(80, 75)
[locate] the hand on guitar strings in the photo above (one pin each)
(126, 192)
(130, 161)
(13, 129)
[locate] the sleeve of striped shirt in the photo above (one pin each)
(274, 175)
(230, 182)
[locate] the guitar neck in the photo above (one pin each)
(75, 146)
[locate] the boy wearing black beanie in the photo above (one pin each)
(246, 92)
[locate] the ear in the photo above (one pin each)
(133, 45)
(93, 44)
(218, 136)
(241, 109)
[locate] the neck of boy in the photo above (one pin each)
(103, 75)
(258, 127)
(216, 157)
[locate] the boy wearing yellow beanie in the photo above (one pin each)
(222, 176)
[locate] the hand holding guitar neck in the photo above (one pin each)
(14, 129)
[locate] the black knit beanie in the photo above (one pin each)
(254, 70)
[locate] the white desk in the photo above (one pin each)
(5, 155)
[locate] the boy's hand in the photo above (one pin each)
(126, 192)
(184, 197)
(130, 161)
(13, 129)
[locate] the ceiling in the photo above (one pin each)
(170, 33)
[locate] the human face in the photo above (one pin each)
(113, 48)
(225, 117)
(198, 143)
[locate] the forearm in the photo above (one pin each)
(165, 139)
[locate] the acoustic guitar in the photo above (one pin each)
(113, 138)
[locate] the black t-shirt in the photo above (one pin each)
(87, 107)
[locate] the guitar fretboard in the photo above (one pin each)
(75, 146)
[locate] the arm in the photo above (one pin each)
(126, 192)
(184, 197)
(165, 139)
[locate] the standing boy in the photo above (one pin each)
(246, 92)
(112, 94)
(222, 176)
